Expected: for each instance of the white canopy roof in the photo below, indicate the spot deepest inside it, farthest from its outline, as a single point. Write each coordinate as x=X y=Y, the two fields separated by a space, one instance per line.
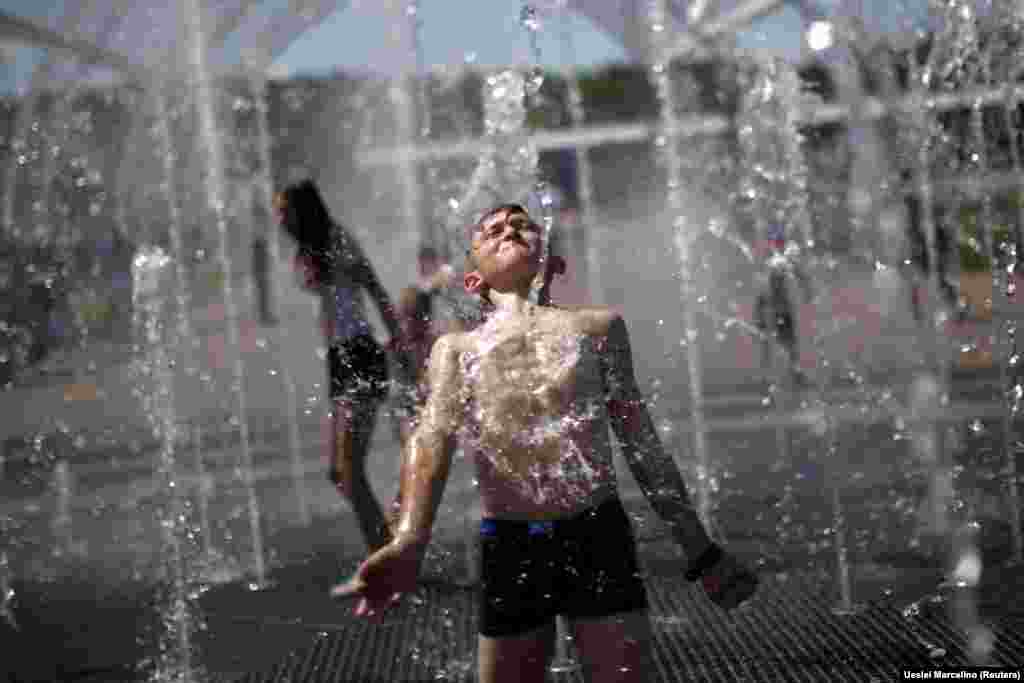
x=132 y=36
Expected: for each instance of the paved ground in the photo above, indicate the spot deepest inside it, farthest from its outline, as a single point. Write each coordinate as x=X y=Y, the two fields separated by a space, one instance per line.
x=84 y=626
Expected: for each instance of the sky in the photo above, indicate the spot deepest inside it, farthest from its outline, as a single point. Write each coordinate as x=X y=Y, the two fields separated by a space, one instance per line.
x=486 y=32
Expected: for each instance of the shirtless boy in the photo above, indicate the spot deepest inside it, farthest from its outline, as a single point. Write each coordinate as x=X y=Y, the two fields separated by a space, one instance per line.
x=531 y=392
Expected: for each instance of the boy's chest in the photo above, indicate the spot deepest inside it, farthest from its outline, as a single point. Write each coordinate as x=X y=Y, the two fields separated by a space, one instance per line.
x=531 y=360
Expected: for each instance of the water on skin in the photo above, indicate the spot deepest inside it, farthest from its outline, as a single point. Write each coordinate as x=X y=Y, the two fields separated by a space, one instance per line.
x=533 y=437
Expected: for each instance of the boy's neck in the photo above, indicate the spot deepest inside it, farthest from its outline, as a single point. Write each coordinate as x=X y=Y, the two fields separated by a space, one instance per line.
x=511 y=302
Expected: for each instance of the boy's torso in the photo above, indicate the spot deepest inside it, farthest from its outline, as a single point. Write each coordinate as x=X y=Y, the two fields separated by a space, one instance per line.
x=537 y=419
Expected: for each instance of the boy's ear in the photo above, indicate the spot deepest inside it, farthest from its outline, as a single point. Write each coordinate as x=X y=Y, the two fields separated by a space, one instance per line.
x=474 y=283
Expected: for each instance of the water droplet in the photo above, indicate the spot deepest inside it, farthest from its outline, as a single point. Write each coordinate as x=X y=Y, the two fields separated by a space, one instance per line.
x=820 y=35
x=534 y=80
x=968 y=570
x=529 y=19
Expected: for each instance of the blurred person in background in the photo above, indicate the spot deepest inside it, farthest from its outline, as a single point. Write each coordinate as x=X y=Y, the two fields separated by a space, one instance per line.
x=421 y=323
x=775 y=308
x=331 y=264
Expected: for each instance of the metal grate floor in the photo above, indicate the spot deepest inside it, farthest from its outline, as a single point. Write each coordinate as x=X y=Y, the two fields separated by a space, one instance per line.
x=788 y=633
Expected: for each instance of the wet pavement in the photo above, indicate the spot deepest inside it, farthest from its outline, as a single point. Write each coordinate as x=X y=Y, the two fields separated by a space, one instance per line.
x=82 y=626
x=788 y=633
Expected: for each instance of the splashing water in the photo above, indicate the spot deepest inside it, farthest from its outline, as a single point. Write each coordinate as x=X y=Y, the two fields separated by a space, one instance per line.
x=7 y=594
x=529 y=18
x=155 y=389
x=216 y=197
x=505 y=110
x=184 y=327
x=587 y=220
x=542 y=191
x=685 y=234
x=511 y=164
x=265 y=183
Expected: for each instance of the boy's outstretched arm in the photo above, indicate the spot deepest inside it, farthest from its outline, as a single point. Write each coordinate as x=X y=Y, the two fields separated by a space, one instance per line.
x=654 y=470
x=393 y=569
x=429 y=455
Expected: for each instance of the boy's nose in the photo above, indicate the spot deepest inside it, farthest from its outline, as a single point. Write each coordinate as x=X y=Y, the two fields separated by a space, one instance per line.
x=511 y=230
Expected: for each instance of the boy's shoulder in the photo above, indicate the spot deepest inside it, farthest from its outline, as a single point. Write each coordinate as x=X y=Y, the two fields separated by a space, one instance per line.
x=591 y=320
x=453 y=343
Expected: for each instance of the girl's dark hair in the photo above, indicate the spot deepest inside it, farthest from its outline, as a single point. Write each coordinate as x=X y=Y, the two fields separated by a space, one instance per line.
x=308 y=221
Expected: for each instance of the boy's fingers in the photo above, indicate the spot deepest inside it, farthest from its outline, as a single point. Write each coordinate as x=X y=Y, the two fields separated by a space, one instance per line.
x=371 y=609
x=354 y=586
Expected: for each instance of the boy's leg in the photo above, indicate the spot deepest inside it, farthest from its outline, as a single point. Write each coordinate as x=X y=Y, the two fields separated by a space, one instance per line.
x=615 y=648
x=516 y=603
x=516 y=659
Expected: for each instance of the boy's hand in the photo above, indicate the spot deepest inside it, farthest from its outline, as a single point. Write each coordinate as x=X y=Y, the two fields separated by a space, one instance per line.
x=383 y=577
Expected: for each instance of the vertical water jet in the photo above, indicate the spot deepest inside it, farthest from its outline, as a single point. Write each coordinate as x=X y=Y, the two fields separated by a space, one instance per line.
x=667 y=141
x=204 y=97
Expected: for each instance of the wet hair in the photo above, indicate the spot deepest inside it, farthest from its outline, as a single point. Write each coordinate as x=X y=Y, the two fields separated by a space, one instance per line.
x=308 y=221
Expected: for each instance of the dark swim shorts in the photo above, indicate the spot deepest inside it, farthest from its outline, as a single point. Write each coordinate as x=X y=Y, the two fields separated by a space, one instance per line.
x=358 y=369
x=582 y=567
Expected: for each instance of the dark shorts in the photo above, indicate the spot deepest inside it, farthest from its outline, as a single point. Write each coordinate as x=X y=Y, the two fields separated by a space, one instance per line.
x=358 y=369
x=583 y=567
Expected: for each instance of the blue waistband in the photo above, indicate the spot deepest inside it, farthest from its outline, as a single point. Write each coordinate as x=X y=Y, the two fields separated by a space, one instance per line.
x=489 y=527
x=492 y=527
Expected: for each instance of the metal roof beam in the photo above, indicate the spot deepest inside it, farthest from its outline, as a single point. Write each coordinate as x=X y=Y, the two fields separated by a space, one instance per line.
x=18 y=28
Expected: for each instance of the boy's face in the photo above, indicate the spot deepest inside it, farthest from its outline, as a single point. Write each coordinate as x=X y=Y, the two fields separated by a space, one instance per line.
x=506 y=250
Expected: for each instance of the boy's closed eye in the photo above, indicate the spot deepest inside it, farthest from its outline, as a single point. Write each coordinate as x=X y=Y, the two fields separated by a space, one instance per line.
x=497 y=228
